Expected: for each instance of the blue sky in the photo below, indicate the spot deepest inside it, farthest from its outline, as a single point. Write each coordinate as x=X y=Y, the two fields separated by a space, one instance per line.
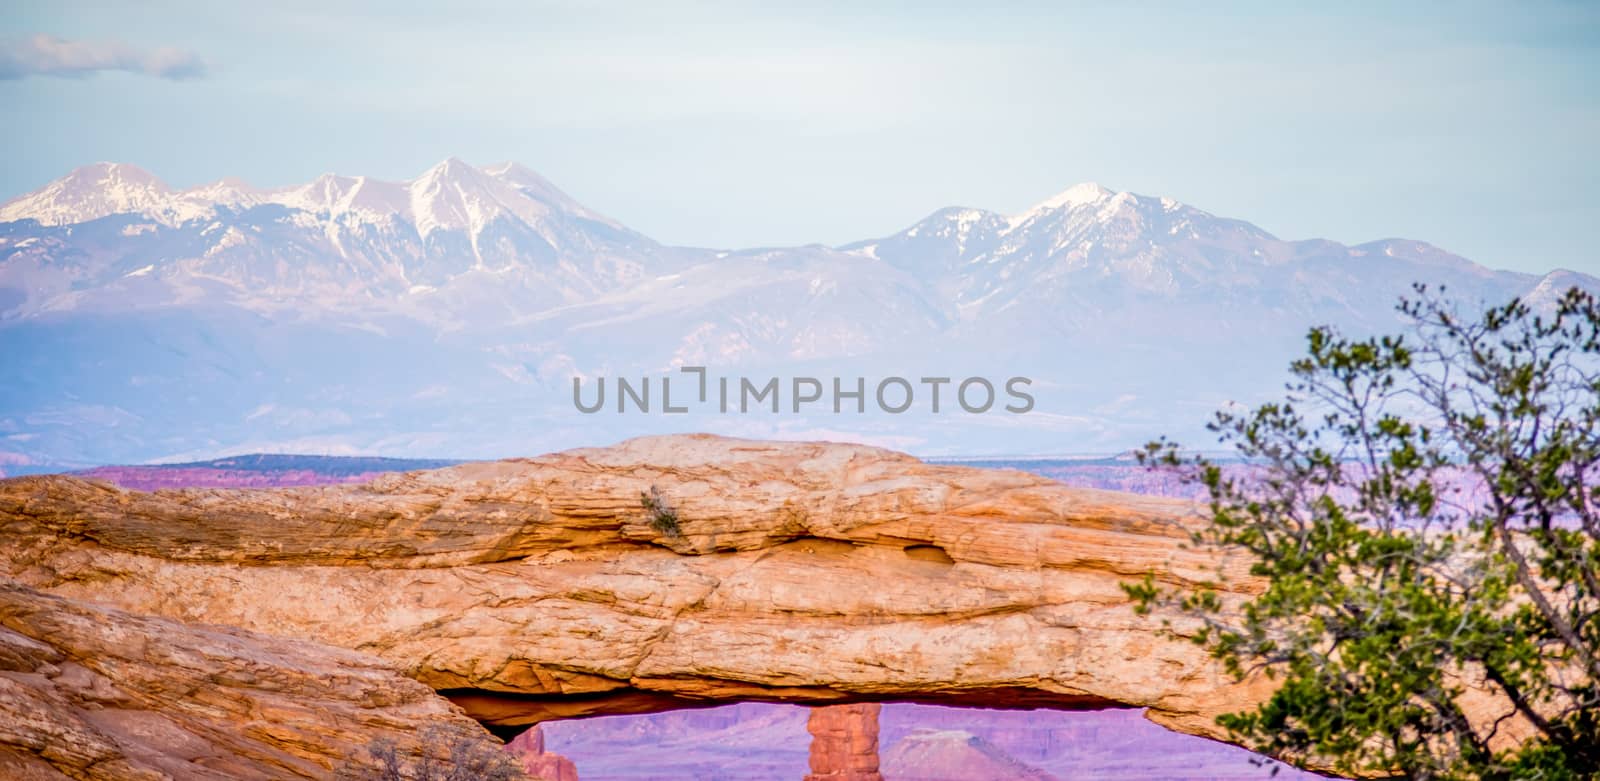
x=1470 y=125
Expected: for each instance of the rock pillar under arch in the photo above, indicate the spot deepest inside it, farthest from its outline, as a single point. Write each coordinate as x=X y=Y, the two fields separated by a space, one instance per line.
x=844 y=743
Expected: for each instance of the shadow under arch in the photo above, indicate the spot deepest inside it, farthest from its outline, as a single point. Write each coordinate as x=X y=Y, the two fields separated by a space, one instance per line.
x=897 y=740
x=508 y=714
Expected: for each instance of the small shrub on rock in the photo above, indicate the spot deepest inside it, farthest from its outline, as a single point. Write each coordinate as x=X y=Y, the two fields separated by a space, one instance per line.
x=663 y=518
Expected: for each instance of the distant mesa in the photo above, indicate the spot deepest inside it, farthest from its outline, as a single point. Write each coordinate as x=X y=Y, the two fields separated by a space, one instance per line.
x=258 y=470
x=954 y=755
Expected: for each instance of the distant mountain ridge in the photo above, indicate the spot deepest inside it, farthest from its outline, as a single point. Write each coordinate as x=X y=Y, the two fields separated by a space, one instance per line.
x=259 y=470
x=451 y=194
x=457 y=243
x=451 y=312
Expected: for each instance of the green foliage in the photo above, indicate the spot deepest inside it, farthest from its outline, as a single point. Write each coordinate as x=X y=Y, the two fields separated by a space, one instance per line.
x=1425 y=513
x=663 y=518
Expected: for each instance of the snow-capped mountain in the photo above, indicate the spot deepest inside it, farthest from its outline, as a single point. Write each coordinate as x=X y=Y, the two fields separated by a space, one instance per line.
x=455 y=244
x=92 y=192
x=1089 y=251
x=449 y=314
x=450 y=195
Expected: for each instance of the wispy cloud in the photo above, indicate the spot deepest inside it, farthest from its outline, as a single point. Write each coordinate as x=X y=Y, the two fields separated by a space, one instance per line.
x=47 y=55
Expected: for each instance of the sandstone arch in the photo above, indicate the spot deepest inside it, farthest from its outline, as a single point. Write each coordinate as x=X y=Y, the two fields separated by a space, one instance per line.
x=534 y=589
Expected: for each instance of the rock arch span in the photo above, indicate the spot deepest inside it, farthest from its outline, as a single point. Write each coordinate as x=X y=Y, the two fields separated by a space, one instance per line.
x=533 y=589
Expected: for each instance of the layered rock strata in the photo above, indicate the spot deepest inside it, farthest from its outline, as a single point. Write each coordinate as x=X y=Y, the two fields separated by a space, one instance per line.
x=844 y=743
x=91 y=692
x=668 y=572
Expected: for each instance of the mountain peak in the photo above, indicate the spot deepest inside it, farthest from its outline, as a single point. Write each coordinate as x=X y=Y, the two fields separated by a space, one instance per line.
x=104 y=172
x=451 y=169
x=455 y=195
x=89 y=193
x=1082 y=194
x=451 y=194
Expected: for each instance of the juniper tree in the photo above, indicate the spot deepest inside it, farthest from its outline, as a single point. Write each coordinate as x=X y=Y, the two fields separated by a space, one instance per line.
x=1424 y=512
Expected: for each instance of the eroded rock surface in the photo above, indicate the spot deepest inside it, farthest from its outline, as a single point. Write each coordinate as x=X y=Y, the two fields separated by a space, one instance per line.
x=535 y=589
x=844 y=743
x=92 y=692
x=529 y=749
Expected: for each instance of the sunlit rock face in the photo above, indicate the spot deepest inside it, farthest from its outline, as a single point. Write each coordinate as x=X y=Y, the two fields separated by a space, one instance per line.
x=844 y=743
x=536 y=589
x=529 y=748
x=95 y=693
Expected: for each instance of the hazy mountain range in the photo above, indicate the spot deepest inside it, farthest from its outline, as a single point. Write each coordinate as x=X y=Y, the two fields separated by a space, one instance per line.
x=448 y=314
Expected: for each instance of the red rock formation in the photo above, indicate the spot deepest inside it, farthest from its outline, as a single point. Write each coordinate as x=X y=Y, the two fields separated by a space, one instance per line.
x=93 y=693
x=764 y=741
x=539 y=763
x=844 y=743
x=811 y=573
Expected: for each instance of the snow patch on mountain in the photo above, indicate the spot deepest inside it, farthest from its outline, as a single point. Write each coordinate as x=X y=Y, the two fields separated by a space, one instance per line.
x=474 y=295
x=88 y=193
x=1074 y=197
x=451 y=195
x=338 y=196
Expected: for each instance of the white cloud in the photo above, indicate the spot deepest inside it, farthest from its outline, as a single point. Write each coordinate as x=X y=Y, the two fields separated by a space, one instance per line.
x=47 y=55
